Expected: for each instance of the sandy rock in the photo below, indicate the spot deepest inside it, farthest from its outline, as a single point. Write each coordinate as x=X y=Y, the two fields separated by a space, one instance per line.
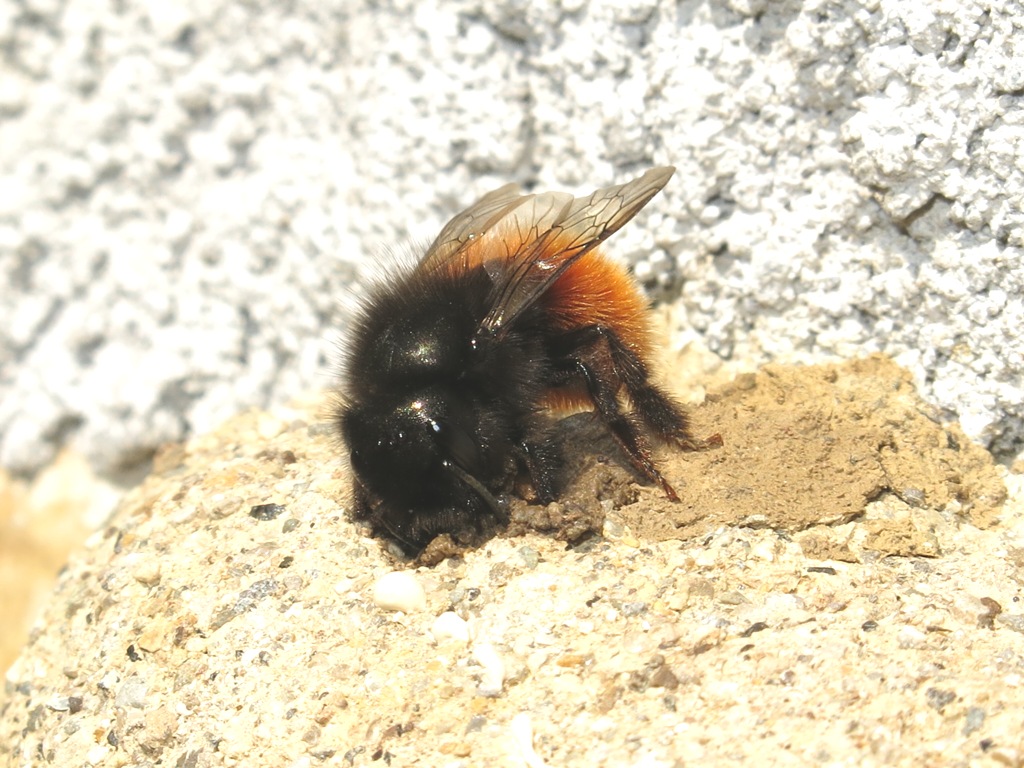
x=261 y=642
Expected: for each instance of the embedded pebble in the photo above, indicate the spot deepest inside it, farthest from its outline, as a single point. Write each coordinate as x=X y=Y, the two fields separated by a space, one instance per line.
x=96 y=755
x=450 y=627
x=529 y=556
x=147 y=573
x=59 y=704
x=911 y=637
x=269 y=427
x=764 y=550
x=108 y=681
x=493 y=677
x=132 y=694
x=399 y=591
x=522 y=736
x=633 y=608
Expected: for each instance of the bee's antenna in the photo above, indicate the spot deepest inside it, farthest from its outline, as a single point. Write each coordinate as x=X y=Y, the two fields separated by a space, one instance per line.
x=479 y=487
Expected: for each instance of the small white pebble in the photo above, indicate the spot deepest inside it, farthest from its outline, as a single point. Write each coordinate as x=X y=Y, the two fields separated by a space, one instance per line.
x=764 y=550
x=522 y=737
x=783 y=601
x=710 y=214
x=147 y=572
x=911 y=637
x=399 y=591
x=96 y=755
x=132 y=693
x=108 y=681
x=58 y=703
x=450 y=627
x=268 y=427
x=536 y=660
x=493 y=678
x=706 y=558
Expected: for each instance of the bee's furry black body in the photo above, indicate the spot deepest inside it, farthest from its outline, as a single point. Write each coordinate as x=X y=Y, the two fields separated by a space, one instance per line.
x=426 y=392
x=452 y=360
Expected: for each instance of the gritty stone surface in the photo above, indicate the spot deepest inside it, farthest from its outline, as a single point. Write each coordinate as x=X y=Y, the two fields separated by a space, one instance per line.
x=186 y=209
x=191 y=632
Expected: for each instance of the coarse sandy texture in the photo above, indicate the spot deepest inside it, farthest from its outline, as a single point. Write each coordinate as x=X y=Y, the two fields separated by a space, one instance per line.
x=188 y=191
x=226 y=615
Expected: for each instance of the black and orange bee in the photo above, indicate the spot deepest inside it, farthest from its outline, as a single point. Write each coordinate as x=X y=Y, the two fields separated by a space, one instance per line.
x=455 y=364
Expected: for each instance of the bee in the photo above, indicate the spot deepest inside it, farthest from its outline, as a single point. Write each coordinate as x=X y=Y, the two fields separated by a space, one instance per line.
x=455 y=364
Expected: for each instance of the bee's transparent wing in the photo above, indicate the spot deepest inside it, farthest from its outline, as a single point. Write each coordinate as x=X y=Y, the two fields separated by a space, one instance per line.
x=549 y=233
x=450 y=248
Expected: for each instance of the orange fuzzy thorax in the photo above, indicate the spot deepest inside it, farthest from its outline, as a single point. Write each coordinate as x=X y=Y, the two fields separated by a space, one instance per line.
x=597 y=291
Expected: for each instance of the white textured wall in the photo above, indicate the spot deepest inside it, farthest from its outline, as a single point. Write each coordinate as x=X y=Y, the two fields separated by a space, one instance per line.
x=188 y=191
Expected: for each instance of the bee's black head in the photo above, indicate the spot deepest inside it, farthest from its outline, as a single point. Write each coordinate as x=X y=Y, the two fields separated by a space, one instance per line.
x=411 y=449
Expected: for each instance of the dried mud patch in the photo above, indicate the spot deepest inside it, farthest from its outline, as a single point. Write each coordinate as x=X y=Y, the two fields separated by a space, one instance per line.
x=803 y=447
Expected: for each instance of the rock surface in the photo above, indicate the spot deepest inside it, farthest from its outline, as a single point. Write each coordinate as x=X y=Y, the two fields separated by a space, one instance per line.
x=229 y=613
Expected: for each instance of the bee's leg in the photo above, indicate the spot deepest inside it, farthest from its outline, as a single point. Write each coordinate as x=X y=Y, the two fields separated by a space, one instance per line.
x=666 y=418
x=590 y=353
x=542 y=460
x=656 y=409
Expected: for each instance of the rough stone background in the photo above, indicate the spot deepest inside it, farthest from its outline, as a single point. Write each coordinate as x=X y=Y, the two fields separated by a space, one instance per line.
x=189 y=191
